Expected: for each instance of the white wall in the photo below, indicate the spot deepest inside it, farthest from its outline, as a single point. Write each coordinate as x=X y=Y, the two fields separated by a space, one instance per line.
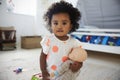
x=73 y=2
x=42 y=6
x=27 y=25
x=23 y=24
x=40 y=25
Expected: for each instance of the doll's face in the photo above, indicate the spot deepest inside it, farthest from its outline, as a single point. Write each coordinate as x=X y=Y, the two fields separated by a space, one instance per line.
x=78 y=54
x=60 y=24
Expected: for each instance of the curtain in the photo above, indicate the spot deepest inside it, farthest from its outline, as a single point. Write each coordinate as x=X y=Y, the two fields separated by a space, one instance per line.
x=100 y=13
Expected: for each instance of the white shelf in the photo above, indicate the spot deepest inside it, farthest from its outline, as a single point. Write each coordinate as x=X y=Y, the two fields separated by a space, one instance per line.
x=100 y=32
x=97 y=34
x=101 y=48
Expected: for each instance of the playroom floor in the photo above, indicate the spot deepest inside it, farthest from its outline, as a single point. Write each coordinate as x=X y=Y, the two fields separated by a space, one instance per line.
x=98 y=66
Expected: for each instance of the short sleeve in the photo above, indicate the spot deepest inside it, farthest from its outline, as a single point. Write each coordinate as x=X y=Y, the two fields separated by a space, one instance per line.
x=45 y=43
x=77 y=43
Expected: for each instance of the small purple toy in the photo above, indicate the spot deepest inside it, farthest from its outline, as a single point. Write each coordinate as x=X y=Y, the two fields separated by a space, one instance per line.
x=18 y=70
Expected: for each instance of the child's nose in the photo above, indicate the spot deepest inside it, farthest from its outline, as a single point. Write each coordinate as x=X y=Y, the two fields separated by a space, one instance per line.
x=60 y=26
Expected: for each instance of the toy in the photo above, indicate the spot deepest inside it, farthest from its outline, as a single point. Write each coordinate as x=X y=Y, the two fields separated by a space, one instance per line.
x=88 y=38
x=112 y=41
x=85 y=38
x=93 y=39
x=98 y=40
x=105 y=40
x=118 y=42
x=76 y=37
x=37 y=77
x=18 y=70
x=77 y=54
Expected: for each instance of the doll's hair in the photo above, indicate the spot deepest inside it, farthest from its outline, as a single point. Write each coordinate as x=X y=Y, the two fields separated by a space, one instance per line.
x=63 y=7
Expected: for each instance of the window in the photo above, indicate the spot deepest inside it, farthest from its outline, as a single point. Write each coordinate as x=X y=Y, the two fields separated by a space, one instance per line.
x=26 y=7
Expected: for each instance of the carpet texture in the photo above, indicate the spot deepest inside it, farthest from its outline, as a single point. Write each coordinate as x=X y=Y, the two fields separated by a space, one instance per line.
x=92 y=71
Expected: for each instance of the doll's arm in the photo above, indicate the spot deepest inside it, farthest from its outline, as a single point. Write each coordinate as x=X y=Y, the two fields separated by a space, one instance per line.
x=64 y=67
x=74 y=67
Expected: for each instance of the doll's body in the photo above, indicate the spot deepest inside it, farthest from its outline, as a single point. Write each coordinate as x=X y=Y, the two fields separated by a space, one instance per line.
x=76 y=55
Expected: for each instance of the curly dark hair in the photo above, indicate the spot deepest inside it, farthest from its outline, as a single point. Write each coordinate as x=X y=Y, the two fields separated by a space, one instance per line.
x=63 y=7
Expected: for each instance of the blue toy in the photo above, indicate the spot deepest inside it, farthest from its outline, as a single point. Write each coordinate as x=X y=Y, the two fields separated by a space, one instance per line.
x=118 y=42
x=98 y=40
x=93 y=38
x=112 y=41
x=76 y=37
x=105 y=40
x=18 y=70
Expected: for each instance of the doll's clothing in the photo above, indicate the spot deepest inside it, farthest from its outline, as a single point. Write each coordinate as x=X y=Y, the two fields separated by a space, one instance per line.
x=64 y=73
x=68 y=75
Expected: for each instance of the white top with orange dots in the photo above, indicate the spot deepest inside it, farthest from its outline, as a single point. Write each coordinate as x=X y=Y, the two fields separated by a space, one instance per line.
x=57 y=51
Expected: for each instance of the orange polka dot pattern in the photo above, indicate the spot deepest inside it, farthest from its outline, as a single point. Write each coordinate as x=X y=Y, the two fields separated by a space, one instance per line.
x=48 y=42
x=54 y=67
x=55 y=49
x=64 y=58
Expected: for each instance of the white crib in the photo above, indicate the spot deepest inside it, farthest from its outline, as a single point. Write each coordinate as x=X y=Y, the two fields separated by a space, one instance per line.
x=100 y=32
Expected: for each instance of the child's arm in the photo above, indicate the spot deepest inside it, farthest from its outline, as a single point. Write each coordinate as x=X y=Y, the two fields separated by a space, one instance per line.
x=43 y=66
x=76 y=66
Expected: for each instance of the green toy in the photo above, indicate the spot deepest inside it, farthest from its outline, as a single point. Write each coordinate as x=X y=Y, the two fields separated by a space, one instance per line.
x=37 y=77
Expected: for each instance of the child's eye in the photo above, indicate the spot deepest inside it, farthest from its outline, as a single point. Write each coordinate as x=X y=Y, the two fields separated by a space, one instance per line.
x=64 y=23
x=55 y=23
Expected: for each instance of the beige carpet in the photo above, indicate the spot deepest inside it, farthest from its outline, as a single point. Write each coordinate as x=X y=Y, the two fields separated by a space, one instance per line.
x=91 y=71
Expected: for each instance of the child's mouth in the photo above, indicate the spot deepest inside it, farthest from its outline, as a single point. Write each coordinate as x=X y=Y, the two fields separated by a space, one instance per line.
x=60 y=31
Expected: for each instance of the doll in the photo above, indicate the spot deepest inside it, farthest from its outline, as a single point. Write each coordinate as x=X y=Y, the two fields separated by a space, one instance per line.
x=77 y=54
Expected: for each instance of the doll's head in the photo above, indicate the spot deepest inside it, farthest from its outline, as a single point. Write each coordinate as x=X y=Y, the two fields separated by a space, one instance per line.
x=78 y=54
x=63 y=7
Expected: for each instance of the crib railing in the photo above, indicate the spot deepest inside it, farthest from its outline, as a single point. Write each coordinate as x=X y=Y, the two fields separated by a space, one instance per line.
x=99 y=32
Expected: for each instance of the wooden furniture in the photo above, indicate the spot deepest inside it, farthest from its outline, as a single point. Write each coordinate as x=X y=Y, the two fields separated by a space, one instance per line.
x=7 y=38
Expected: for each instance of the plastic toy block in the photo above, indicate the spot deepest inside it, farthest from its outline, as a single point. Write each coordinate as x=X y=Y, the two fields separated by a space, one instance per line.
x=37 y=77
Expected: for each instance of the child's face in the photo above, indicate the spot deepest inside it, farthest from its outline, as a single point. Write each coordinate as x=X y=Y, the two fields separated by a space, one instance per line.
x=61 y=24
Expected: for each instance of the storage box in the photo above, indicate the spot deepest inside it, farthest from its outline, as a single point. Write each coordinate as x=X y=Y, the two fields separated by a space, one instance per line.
x=8 y=46
x=30 y=42
x=7 y=28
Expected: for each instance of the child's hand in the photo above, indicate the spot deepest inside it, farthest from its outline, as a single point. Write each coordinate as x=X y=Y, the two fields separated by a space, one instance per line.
x=76 y=66
x=45 y=75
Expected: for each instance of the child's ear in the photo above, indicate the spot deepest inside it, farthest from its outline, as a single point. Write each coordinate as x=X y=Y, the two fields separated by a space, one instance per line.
x=50 y=29
x=70 y=27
